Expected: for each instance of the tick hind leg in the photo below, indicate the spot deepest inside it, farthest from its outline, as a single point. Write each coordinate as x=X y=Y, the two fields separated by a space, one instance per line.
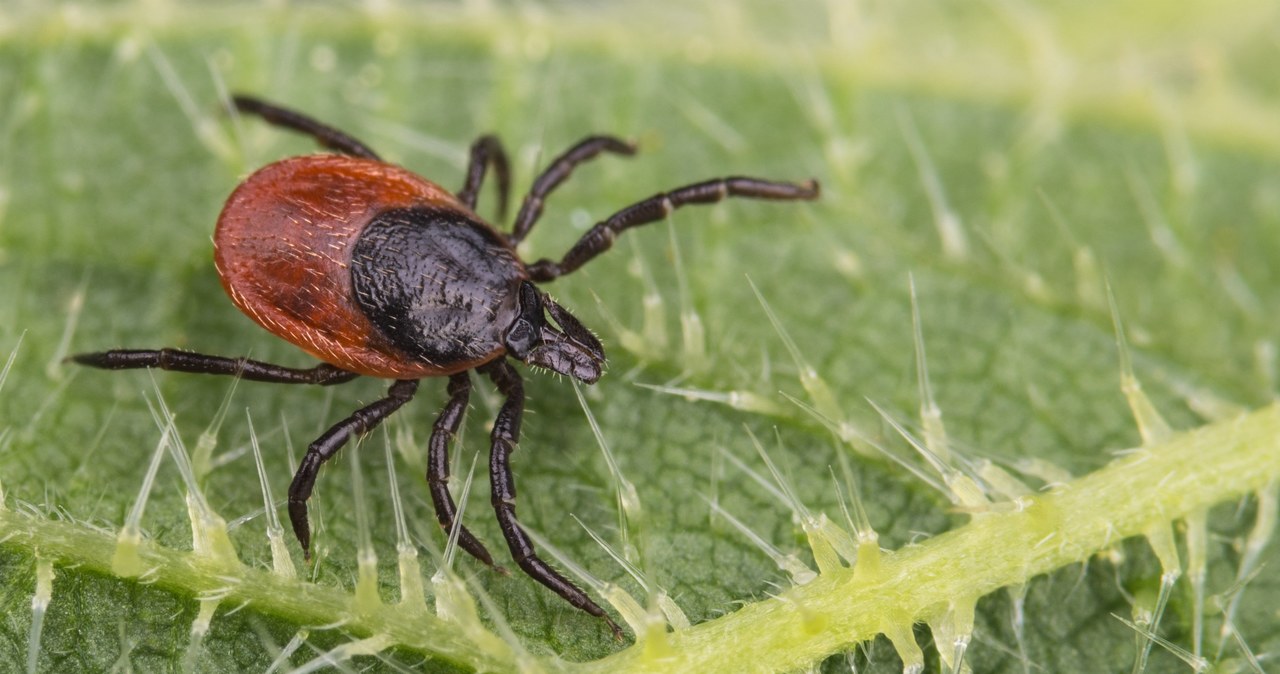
x=506 y=433
x=556 y=173
x=360 y=422
x=600 y=238
x=442 y=432
x=325 y=135
x=176 y=360
x=485 y=152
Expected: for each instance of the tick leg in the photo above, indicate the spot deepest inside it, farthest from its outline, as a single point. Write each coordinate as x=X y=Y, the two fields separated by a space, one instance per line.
x=558 y=172
x=325 y=135
x=506 y=433
x=445 y=428
x=323 y=449
x=600 y=238
x=486 y=151
x=185 y=361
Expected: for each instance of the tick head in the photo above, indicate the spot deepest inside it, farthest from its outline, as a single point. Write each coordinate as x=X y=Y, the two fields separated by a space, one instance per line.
x=570 y=350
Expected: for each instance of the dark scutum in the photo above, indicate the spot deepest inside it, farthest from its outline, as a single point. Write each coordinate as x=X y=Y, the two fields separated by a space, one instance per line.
x=440 y=286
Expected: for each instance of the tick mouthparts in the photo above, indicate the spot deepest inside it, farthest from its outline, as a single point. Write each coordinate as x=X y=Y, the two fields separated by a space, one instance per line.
x=565 y=359
x=560 y=352
x=573 y=329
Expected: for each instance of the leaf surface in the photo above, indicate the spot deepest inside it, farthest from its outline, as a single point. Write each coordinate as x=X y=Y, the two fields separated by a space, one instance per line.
x=1024 y=177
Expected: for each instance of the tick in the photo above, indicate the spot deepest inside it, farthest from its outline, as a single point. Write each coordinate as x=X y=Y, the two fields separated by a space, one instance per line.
x=378 y=272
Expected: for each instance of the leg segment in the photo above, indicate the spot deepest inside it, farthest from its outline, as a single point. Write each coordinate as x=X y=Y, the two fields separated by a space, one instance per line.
x=176 y=360
x=600 y=238
x=506 y=433
x=323 y=449
x=324 y=134
x=486 y=151
x=558 y=172
x=445 y=428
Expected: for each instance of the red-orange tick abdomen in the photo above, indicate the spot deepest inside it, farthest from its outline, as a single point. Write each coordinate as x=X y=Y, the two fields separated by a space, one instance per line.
x=285 y=245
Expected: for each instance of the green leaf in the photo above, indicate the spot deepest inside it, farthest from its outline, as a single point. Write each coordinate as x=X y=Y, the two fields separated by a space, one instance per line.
x=1008 y=384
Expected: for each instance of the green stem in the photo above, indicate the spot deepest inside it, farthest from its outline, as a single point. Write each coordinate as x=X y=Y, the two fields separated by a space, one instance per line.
x=300 y=602
x=1148 y=488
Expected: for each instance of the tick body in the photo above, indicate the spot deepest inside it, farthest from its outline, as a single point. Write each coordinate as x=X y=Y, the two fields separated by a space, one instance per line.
x=367 y=267
x=377 y=272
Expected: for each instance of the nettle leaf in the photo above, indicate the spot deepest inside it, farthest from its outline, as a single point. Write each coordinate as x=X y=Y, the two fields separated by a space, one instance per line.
x=1003 y=395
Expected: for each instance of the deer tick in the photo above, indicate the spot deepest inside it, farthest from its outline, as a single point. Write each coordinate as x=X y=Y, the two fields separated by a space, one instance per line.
x=378 y=272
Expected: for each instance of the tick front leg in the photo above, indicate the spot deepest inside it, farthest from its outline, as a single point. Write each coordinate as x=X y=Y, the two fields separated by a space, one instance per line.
x=176 y=360
x=323 y=449
x=506 y=433
x=600 y=238
x=486 y=151
x=559 y=170
x=442 y=432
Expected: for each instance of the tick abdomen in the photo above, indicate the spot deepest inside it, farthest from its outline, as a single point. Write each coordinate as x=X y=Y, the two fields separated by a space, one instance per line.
x=439 y=285
x=283 y=247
